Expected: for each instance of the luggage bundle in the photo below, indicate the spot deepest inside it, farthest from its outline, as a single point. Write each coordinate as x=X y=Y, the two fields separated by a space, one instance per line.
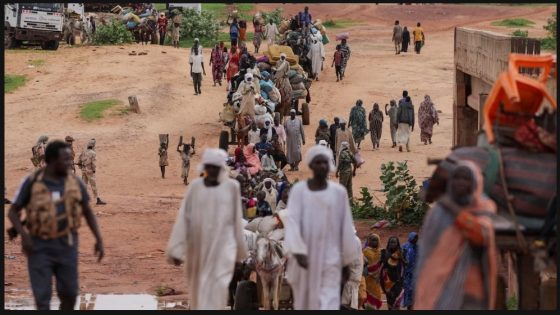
x=273 y=54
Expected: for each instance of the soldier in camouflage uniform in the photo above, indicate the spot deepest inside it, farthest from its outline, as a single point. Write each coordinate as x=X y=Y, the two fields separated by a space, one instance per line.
x=69 y=140
x=88 y=167
x=346 y=168
x=38 y=151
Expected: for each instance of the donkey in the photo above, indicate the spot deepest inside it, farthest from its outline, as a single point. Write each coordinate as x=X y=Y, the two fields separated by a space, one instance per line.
x=270 y=263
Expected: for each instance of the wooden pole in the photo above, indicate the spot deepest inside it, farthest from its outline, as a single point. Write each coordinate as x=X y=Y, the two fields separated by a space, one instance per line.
x=133 y=102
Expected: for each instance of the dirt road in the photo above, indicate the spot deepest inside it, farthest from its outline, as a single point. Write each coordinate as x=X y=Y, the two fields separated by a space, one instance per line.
x=141 y=206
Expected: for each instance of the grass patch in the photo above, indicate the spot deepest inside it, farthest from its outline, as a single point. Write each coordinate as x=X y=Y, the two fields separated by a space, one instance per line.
x=221 y=10
x=160 y=6
x=514 y=23
x=12 y=82
x=36 y=62
x=94 y=110
x=338 y=23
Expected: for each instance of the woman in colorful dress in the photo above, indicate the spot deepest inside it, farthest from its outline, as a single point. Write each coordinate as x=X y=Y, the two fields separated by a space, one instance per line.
x=372 y=256
x=216 y=61
x=427 y=117
x=392 y=273
x=233 y=63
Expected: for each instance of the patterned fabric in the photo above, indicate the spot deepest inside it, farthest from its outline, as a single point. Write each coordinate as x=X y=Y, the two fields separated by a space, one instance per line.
x=392 y=276
x=217 y=64
x=409 y=253
x=373 y=275
x=375 y=126
x=427 y=117
x=358 y=123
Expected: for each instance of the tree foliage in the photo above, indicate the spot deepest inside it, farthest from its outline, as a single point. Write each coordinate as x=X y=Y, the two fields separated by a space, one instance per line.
x=549 y=42
x=403 y=200
x=201 y=25
x=403 y=204
x=275 y=15
x=114 y=33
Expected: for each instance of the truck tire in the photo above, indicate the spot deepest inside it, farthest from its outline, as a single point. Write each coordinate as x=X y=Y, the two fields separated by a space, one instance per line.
x=224 y=140
x=10 y=41
x=50 y=45
x=305 y=113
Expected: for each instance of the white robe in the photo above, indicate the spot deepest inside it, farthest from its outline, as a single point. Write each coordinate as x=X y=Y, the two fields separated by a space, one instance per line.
x=248 y=100
x=271 y=195
x=316 y=54
x=319 y=226
x=208 y=236
x=352 y=286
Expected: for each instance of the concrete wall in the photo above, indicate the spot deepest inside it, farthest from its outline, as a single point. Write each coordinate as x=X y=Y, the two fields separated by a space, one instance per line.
x=481 y=54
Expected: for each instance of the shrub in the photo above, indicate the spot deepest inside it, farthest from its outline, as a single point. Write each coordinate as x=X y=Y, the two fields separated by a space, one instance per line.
x=520 y=33
x=403 y=200
x=275 y=15
x=363 y=207
x=114 y=33
x=203 y=26
x=549 y=42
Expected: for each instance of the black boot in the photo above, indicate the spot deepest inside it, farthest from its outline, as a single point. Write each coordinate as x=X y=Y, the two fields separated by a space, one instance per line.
x=100 y=202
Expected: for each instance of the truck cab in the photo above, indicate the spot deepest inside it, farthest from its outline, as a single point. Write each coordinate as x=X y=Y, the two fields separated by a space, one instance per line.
x=34 y=23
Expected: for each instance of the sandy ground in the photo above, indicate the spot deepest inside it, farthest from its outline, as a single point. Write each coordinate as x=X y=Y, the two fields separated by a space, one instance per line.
x=141 y=206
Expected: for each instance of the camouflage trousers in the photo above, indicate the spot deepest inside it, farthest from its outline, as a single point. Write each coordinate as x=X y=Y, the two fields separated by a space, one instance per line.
x=89 y=178
x=345 y=179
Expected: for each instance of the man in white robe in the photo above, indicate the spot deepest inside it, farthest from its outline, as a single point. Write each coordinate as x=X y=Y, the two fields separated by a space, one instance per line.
x=270 y=32
x=317 y=56
x=248 y=90
x=271 y=193
x=208 y=234
x=319 y=236
x=352 y=285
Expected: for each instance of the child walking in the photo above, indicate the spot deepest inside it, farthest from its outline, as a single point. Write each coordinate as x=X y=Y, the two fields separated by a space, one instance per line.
x=337 y=63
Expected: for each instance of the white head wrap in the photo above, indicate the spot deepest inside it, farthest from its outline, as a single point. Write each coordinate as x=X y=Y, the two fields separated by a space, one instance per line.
x=215 y=157
x=319 y=150
x=342 y=121
x=292 y=110
x=323 y=143
x=248 y=75
x=272 y=182
x=283 y=55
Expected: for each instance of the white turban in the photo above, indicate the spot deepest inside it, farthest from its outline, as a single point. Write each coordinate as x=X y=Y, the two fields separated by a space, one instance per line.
x=319 y=150
x=272 y=182
x=342 y=121
x=248 y=75
x=215 y=157
x=292 y=110
x=323 y=143
x=283 y=55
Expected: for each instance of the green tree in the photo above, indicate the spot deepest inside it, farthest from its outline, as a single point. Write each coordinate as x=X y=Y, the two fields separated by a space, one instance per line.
x=114 y=33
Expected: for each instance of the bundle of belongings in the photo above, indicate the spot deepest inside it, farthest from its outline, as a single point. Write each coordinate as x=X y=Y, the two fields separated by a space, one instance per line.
x=517 y=152
x=132 y=18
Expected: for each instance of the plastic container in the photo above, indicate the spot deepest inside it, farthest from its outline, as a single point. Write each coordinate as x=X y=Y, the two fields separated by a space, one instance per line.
x=519 y=94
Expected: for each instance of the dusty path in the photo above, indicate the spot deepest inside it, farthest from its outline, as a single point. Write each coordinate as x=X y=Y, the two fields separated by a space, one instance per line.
x=142 y=206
